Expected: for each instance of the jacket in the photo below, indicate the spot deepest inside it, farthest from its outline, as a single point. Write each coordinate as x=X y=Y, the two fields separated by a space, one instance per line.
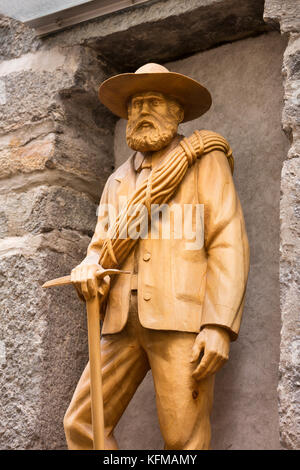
x=179 y=288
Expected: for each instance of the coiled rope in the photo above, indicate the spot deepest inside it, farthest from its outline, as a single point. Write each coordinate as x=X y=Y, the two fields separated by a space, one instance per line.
x=158 y=188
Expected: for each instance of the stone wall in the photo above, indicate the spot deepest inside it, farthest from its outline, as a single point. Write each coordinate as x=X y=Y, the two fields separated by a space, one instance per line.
x=287 y=15
x=55 y=155
x=56 y=144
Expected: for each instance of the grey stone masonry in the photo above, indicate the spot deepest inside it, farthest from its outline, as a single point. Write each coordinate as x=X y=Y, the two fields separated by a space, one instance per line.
x=164 y=30
x=56 y=144
x=15 y=39
x=287 y=14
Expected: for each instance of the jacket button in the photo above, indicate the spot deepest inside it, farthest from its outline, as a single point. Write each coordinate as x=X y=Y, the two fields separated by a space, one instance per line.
x=147 y=296
x=146 y=256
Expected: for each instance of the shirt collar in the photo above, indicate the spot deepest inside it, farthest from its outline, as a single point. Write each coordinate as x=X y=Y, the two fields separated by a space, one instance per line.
x=141 y=161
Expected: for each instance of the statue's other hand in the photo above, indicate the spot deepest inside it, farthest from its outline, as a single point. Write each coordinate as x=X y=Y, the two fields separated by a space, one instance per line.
x=84 y=278
x=214 y=342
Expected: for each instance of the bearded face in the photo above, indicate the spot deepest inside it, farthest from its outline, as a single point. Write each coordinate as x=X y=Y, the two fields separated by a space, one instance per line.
x=153 y=121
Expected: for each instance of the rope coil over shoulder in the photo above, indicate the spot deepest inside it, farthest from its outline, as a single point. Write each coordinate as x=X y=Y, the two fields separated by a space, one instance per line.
x=158 y=189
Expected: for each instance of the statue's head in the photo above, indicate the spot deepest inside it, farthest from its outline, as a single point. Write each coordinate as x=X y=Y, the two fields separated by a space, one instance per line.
x=154 y=101
x=153 y=119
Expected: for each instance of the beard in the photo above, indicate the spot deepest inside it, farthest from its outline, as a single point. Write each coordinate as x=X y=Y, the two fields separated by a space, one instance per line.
x=151 y=133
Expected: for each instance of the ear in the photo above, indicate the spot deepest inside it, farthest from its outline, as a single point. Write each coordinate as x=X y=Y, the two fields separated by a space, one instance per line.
x=178 y=110
x=180 y=114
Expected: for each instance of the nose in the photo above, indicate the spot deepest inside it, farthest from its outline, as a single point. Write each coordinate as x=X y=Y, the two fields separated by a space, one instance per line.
x=145 y=107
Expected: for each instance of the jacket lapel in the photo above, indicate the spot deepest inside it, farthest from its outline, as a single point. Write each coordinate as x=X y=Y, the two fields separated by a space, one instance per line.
x=125 y=178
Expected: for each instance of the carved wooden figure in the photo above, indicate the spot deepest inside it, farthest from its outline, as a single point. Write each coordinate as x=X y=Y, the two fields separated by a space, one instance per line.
x=176 y=303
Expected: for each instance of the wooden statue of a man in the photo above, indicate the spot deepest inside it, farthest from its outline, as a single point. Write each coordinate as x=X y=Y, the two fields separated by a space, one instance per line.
x=180 y=307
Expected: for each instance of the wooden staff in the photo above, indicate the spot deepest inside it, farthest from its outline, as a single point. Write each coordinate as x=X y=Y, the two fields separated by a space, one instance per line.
x=93 y=321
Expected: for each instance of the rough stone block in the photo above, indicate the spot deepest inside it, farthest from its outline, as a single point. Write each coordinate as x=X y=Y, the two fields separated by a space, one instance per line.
x=128 y=39
x=45 y=208
x=291 y=115
x=52 y=119
x=32 y=83
x=284 y=12
x=15 y=38
x=289 y=379
x=33 y=156
x=43 y=338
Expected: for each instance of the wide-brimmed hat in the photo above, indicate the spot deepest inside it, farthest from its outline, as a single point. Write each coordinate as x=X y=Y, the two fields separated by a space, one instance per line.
x=115 y=92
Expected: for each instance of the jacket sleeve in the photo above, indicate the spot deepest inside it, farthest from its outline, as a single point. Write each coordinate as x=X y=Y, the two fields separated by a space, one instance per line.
x=226 y=244
x=95 y=246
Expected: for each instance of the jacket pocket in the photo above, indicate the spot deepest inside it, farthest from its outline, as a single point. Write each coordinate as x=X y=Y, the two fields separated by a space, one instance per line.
x=189 y=275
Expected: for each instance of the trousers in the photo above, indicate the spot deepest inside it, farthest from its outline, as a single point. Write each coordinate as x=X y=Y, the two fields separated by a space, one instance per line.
x=183 y=404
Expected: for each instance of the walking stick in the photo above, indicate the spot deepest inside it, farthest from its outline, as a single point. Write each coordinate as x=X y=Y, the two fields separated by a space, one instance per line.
x=93 y=322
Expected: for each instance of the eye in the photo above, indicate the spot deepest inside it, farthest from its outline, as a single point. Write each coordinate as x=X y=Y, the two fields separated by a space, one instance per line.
x=155 y=102
x=137 y=104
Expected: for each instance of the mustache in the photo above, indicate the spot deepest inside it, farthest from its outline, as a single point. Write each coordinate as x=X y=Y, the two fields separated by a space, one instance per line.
x=154 y=121
x=138 y=123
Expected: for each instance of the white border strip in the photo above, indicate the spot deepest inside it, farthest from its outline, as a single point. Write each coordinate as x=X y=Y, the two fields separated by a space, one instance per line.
x=77 y=14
